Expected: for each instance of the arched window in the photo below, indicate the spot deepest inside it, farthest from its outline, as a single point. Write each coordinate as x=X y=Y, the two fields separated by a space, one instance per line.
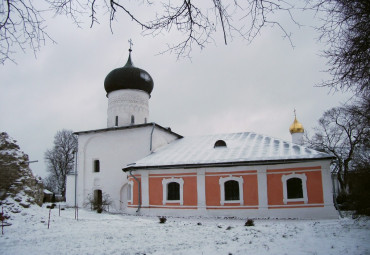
x=219 y=143
x=129 y=191
x=294 y=188
x=98 y=199
x=173 y=190
x=231 y=189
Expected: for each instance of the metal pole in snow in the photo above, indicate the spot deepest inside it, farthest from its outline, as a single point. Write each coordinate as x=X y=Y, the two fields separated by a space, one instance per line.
x=75 y=172
x=2 y=220
x=49 y=218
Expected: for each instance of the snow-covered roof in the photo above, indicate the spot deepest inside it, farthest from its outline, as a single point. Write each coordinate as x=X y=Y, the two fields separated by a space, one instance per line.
x=242 y=148
x=48 y=192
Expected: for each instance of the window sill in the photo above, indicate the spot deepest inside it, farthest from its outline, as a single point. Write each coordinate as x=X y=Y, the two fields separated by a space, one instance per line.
x=173 y=202
x=222 y=202
x=286 y=201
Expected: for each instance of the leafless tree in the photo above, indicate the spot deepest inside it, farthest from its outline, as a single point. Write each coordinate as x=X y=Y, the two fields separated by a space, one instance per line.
x=51 y=183
x=346 y=32
x=60 y=158
x=197 y=22
x=344 y=132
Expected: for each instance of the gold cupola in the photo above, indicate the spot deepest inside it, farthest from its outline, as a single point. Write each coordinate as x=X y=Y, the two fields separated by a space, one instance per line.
x=296 y=127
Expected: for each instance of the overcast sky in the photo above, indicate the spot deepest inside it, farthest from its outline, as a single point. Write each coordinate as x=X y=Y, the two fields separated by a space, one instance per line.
x=237 y=87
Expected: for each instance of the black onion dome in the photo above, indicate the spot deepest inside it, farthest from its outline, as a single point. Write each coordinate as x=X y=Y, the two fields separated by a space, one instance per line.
x=128 y=77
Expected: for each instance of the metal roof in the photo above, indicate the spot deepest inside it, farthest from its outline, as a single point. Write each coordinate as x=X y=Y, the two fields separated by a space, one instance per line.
x=241 y=148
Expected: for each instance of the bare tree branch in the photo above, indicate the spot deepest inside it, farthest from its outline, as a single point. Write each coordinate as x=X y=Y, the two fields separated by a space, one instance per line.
x=346 y=31
x=21 y=24
x=196 y=22
x=344 y=132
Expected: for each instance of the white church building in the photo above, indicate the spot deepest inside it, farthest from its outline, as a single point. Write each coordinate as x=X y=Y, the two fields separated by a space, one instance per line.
x=148 y=169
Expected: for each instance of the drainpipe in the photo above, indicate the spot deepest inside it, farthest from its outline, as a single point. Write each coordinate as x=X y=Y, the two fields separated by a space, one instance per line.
x=139 y=186
x=75 y=179
x=151 y=138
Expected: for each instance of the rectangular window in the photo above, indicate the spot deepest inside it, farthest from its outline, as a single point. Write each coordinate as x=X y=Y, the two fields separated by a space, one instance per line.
x=116 y=121
x=96 y=166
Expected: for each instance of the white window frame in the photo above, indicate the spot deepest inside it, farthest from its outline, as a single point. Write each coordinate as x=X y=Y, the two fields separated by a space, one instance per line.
x=303 y=178
x=130 y=191
x=165 y=183
x=240 y=181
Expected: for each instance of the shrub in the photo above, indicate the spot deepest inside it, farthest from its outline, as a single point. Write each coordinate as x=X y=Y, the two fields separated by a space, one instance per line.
x=162 y=219
x=249 y=223
x=97 y=205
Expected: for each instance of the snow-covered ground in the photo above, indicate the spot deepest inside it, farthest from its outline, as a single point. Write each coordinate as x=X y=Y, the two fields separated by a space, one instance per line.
x=122 y=234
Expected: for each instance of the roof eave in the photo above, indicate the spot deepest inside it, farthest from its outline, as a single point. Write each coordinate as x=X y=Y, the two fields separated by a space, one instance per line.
x=128 y=127
x=226 y=164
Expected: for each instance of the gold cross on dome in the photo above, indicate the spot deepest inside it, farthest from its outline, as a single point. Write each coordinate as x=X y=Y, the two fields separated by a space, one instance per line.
x=131 y=43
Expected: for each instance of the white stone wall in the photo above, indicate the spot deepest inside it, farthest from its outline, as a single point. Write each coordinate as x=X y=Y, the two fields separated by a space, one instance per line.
x=160 y=138
x=114 y=149
x=126 y=103
x=70 y=190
